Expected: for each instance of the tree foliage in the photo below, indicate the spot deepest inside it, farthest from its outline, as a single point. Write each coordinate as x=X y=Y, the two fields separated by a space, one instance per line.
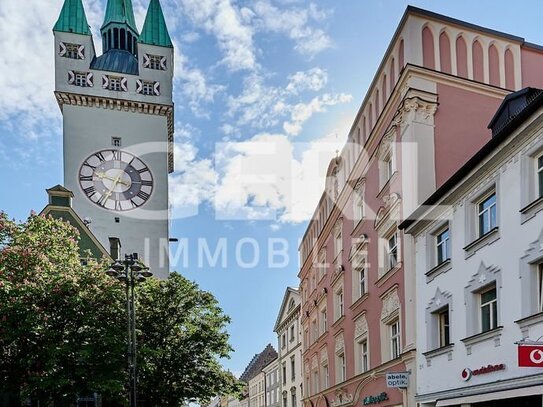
x=61 y=322
x=63 y=325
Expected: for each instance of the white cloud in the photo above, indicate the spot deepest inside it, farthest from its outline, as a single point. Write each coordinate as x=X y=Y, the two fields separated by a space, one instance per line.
x=224 y=21
x=303 y=111
x=266 y=178
x=314 y=79
x=295 y=23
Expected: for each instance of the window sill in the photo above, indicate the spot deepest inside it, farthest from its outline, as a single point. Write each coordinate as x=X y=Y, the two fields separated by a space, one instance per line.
x=338 y=321
x=530 y=320
x=530 y=210
x=488 y=238
x=383 y=279
x=441 y=268
x=359 y=300
x=439 y=351
x=483 y=337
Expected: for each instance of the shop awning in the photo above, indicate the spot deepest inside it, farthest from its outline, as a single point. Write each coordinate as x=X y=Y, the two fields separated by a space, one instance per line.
x=498 y=395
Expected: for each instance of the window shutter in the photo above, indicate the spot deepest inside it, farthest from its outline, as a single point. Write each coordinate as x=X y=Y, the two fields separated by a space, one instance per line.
x=89 y=79
x=62 y=49
x=105 y=81
x=81 y=52
x=146 y=61
x=163 y=63
x=139 y=85
x=156 y=88
x=124 y=84
x=71 y=77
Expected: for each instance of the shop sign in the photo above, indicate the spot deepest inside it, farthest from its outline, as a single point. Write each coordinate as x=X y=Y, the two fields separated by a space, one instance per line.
x=375 y=399
x=398 y=379
x=530 y=355
x=467 y=373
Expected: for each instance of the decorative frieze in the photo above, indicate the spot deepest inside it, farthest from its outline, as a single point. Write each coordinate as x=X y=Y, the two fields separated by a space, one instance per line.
x=391 y=304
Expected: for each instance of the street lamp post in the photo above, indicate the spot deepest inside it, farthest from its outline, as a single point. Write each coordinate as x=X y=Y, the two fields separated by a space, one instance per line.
x=130 y=271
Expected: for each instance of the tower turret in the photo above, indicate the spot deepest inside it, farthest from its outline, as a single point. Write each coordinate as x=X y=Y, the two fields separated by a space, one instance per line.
x=72 y=18
x=119 y=29
x=154 y=30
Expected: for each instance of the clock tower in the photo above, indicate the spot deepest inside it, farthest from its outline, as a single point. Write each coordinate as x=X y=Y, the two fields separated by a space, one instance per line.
x=118 y=125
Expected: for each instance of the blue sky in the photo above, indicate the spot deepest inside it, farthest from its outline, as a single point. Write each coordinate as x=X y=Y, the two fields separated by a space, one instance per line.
x=251 y=77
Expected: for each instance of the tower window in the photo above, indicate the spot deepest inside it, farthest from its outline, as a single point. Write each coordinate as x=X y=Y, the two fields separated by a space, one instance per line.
x=115 y=83
x=73 y=51
x=116 y=141
x=147 y=88
x=156 y=62
x=80 y=79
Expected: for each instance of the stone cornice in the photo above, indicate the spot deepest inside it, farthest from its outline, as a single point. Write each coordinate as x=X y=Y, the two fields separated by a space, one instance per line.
x=65 y=98
x=294 y=314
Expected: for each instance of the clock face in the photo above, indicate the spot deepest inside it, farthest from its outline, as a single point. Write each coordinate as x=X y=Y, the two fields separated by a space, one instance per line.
x=116 y=180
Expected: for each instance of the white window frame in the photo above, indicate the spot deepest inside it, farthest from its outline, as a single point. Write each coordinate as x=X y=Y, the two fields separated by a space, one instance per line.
x=362 y=279
x=147 y=88
x=395 y=338
x=540 y=287
x=325 y=375
x=539 y=175
x=443 y=327
x=443 y=246
x=338 y=241
x=359 y=207
x=293 y=368
x=323 y=320
x=292 y=334
x=341 y=366
x=392 y=249
x=80 y=79
x=487 y=213
x=339 y=302
x=493 y=308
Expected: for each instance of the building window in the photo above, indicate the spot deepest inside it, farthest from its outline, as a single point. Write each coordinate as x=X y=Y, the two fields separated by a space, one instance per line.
x=115 y=83
x=540 y=175
x=283 y=341
x=341 y=367
x=338 y=244
x=73 y=51
x=540 y=287
x=358 y=204
x=322 y=263
x=339 y=303
x=116 y=141
x=284 y=367
x=489 y=309
x=147 y=88
x=156 y=62
x=325 y=376
x=395 y=346
x=361 y=277
x=443 y=327
x=323 y=320
x=293 y=398
x=363 y=356
x=315 y=332
x=486 y=210
x=292 y=368
x=388 y=167
x=292 y=333
x=81 y=79
x=315 y=382
x=285 y=399
x=443 y=243
x=392 y=251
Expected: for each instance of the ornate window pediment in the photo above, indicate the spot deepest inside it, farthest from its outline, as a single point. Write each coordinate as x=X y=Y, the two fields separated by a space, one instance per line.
x=391 y=306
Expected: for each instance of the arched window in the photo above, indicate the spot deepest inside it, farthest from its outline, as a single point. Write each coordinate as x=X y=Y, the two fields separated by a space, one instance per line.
x=385 y=94
x=377 y=105
x=401 y=56
x=478 y=68
x=428 y=57
x=392 y=74
x=445 y=53
x=123 y=39
x=494 y=65
x=116 y=38
x=509 y=70
x=461 y=57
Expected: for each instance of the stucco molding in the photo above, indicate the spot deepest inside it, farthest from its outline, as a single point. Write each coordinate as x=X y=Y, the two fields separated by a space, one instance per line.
x=342 y=398
x=416 y=106
x=339 y=343
x=361 y=326
x=391 y=305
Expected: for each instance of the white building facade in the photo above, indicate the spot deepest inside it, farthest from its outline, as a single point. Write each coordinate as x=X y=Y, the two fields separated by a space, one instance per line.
x=272 y=384
x=479 y=270
x=289 y=338
x=256 y=390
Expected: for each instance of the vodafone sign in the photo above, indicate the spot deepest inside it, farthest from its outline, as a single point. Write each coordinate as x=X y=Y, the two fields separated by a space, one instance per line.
x=530 y=355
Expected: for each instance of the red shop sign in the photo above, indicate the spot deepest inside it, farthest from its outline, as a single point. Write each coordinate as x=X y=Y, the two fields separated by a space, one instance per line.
x=530 y=355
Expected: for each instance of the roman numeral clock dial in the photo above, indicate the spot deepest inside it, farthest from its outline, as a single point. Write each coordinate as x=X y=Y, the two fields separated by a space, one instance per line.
x=116 y=180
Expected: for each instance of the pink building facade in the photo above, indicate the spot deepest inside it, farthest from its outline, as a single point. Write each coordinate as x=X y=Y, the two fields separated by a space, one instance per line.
x=425 y=114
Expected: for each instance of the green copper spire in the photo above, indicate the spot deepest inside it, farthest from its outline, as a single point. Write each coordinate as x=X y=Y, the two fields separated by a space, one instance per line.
x=72 y=18
x=121 y=12
x=154 y=30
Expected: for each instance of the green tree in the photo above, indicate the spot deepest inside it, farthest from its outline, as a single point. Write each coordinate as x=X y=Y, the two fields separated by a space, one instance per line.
x=62 y=325
x=182 y=338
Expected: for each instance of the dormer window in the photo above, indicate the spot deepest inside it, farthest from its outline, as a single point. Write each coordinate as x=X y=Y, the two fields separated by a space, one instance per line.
x=73 y=51
x=156 y=62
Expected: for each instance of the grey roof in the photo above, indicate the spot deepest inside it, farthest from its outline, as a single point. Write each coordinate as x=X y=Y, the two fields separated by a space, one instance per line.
x=258 y=362
x=116 y=60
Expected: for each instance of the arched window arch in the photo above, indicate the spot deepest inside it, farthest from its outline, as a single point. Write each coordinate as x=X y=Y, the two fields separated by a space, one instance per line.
x=428 y=56
x=392 y=74
x=461 y=57
x=377 y=105
x=370 y=118
x=445 y=53
x=478 y=67
x=385 y=94
x=494 y=65
x=509 y=70
x=401 y=56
